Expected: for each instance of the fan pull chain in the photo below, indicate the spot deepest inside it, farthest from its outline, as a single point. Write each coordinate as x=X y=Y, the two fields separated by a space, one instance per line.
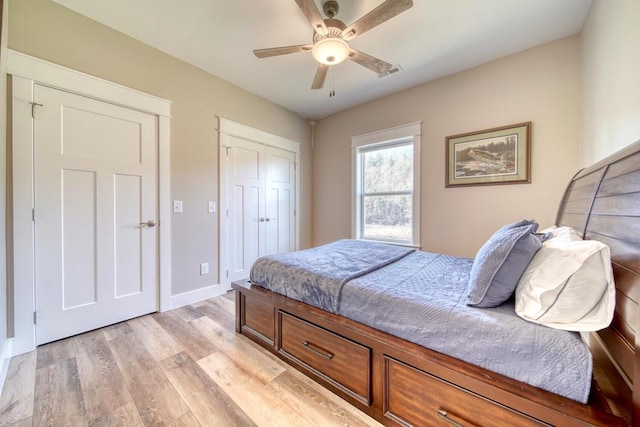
x=332 y=83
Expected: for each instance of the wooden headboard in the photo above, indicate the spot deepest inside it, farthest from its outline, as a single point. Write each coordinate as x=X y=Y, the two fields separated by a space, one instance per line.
x=602 y=202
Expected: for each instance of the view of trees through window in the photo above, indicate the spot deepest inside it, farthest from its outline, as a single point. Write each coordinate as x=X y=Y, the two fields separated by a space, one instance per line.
x=387 y=186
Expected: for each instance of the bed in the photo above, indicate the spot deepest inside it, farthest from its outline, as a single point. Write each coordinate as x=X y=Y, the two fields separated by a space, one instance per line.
x=400 y=382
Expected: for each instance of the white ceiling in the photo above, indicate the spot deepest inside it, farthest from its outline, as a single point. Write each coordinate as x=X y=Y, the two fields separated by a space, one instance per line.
x=433 y=39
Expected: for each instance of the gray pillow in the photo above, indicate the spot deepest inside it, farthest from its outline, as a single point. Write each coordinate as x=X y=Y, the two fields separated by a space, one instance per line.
x=500 y=262
x=518 y=224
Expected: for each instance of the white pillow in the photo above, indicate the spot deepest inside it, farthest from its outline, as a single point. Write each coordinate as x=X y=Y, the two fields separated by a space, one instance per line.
x=562 y=231
x=568 y=284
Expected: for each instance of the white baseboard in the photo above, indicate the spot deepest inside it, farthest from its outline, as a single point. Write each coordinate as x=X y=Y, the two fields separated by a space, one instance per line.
x=198 y=295
x=5 y=357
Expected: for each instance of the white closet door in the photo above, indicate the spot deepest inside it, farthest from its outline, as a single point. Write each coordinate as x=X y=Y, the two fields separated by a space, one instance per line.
x=258 y=198
x=95 y=210
x=245 y=189
x=280 y=200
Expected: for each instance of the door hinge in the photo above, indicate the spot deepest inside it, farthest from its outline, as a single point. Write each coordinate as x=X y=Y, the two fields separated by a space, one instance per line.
x=227 y=274
x=35 y=317
x=33 y=214
x=227 y=212
x=33 y=109
x=227 y=149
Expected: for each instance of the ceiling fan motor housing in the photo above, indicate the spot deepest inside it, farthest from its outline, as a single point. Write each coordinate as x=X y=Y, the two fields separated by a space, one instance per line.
x=334 y=30
x=330 y=8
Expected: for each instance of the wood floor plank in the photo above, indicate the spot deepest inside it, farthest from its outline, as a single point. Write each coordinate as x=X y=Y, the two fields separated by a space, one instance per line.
x=302 y=378
x=244 y=352
x=157 y=341
x=55 y=352
x=25 y=422
x=252 y=395
x=218 y=314
x=193 y=342
x=226 y=304
x=231 y=296
x=124 y=416
x=114 y=331
x=16 y=402
x=103 y=387
x=306 y=395
x=154 y=396
x=207 y=401
x=58 y=397
x=187 y=420
x=187 y=313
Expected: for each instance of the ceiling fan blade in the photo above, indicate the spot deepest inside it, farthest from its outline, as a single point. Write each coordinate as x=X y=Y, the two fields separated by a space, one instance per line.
x=377 y=16
x=321 y=75
x=376 y=65
x=313 y=15
x=284 y=50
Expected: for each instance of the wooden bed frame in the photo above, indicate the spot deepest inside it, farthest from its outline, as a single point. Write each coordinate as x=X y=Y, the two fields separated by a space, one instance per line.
x=401 y=383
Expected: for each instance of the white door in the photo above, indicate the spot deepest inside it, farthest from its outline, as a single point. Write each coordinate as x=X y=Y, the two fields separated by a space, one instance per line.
x=246 y=205
x=261 y=191
x=280 y=203
x=95 y=203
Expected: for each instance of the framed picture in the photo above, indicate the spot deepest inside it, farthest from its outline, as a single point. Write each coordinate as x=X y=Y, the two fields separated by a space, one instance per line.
x=487 y=157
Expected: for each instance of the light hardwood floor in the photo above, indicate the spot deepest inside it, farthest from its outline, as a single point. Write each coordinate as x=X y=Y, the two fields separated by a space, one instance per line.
x=185 y=367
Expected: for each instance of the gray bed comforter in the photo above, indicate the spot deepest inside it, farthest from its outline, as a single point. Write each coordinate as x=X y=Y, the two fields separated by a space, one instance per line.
x=421 y=297
x=316 y=276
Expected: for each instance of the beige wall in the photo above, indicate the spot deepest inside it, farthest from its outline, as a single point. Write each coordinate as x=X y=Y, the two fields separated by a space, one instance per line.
x=541 y=85
x=610 y=70
x=49 y=31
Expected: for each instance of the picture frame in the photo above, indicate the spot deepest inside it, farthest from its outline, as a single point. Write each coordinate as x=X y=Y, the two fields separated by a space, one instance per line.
x=495 y=156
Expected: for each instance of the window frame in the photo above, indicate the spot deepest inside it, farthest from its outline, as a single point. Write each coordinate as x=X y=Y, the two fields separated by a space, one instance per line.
x=386 y=138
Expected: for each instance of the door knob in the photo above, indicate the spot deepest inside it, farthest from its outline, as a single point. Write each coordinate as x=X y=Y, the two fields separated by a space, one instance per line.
x=151 y=223
x=262 y=219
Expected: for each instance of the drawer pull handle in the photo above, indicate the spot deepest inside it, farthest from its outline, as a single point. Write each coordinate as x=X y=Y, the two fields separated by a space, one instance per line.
x=448 y=418
x=318 y=350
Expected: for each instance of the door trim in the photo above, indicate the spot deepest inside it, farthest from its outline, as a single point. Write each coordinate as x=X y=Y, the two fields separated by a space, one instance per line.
x=26 y=71
x=225 y=128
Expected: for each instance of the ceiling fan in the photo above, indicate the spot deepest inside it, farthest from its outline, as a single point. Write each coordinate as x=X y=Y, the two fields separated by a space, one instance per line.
x=331 y=37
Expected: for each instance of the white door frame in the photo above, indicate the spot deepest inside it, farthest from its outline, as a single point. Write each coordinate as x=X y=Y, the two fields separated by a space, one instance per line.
x=26 y=71
x=225 y=128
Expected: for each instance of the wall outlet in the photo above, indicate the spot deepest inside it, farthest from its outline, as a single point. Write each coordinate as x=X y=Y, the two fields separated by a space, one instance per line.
x=211 y=207
x=204 y=268
x=177 y=206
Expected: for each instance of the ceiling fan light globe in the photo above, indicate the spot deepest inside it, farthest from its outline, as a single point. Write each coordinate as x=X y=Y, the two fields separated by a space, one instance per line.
x=330 y=51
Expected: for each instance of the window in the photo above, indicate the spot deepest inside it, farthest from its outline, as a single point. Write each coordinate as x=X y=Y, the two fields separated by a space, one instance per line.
x=386 y=185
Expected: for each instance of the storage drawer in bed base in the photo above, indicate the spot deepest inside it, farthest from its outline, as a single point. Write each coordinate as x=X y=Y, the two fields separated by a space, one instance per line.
x=416 y=398
x=338 y=360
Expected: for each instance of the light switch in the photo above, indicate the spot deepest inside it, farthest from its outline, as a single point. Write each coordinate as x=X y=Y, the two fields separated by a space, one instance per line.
x=177 y=206
x=211 y=207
